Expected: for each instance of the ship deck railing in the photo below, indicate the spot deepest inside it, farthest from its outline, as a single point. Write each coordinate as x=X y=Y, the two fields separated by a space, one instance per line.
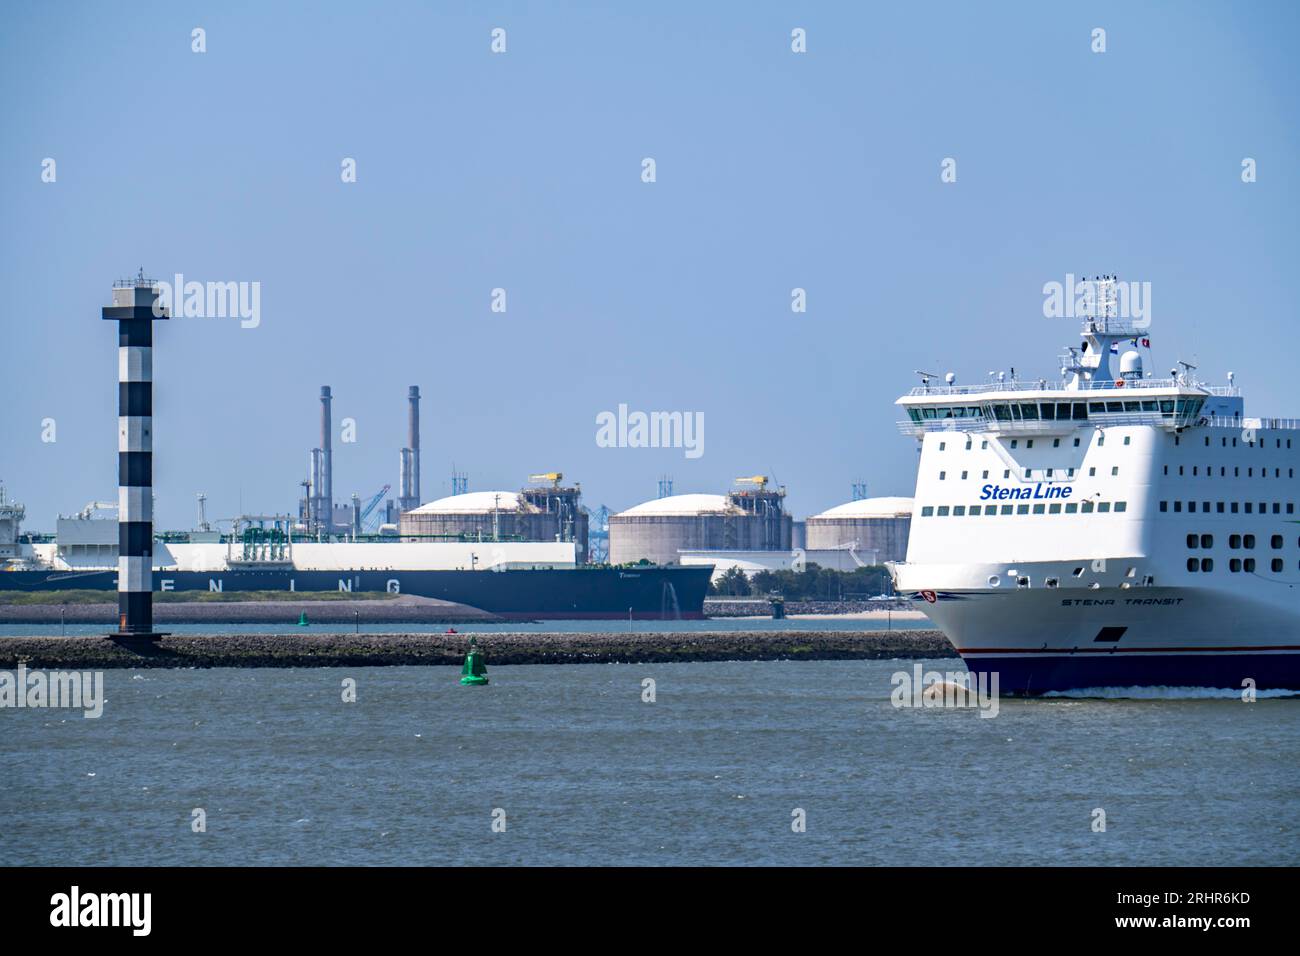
x=1042 y=385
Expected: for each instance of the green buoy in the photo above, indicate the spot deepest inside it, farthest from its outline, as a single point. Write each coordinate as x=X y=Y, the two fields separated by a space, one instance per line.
x=474 y=671
x=302 y=619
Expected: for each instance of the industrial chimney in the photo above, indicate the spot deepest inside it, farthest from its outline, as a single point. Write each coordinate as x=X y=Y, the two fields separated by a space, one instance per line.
x=408 y=475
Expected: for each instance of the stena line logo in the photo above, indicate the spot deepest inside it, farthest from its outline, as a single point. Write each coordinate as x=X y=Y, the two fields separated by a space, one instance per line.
x=1037 y=492
x=133 y=910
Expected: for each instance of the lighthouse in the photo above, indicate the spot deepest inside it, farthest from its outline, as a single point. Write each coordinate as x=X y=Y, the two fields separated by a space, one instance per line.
x=135 y=308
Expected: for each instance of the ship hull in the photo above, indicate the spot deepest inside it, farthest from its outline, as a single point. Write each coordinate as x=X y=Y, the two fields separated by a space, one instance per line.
x=592 y=593
x=1039 y=641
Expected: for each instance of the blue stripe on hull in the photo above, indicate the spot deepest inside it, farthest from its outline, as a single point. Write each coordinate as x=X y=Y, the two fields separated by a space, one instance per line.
x=1038 y=674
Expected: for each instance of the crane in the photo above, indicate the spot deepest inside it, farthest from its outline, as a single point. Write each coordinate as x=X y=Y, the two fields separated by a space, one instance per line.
x=554 y=477
x=370 y=506
x=759 y=480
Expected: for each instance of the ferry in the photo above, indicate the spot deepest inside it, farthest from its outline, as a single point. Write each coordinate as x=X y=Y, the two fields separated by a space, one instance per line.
x=1111 y=529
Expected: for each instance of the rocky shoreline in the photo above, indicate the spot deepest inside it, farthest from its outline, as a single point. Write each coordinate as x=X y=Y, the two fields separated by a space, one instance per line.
x=368 y=650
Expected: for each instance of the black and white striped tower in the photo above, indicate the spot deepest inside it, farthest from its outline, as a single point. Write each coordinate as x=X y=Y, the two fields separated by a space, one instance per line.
x=135 y=308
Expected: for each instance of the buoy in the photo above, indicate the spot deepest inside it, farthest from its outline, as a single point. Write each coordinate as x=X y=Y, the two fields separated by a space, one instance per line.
x=302 y=619
x=474 y=671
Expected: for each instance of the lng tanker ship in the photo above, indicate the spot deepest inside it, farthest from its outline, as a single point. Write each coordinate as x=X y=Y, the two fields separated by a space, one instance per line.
x=1112 y=529
x=522 y=580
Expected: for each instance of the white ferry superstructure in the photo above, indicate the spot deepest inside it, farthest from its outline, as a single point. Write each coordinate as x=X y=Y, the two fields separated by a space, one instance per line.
x=1107 y=530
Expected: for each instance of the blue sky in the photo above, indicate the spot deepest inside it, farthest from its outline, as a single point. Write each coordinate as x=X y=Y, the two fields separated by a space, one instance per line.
x=522 y=171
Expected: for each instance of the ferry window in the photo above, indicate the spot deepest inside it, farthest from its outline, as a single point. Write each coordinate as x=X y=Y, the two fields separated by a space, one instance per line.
x=927 y=511
x=963 y=476
x=1234 y=507
x=1049 y=472
x=1114 y=406
x=1164 y=506
x=1167 y=408
x=1207 y=541
x=1039 y=509
x=1277 y=507
x=1015 y=412
x=1166 y=469
x=986 y=474
x=1103 y=506
x=1132 y=407
x=967 y=444
x=1277 y=565
x=1072 y=508
x=1095 y=407
x=1029 y=472
x=1114 y=471
x=1276 y=542
x=943 y=475
x=1087 y=507
x=1148 y=406
x=1055 y=508
x=943 y=445
x=1069 y=473
x=1193 y=564
x=1250 y=505
x=1196 y=470
x=1076 y=443
x=974 y=510
x=1207 y=564
x=984 y=444
x=1092 y=472
x=1006 y=509
x=1030 y=443
x=1180 y=406
x=1022 y=509
x=1080 y=413
x=1219 y=507
x=1002 y=413
x=1205 y=506
x=1015 y=443
x=1248 y=565
x=1248 y=541
x=958 y=511
x=927 y=413
x=1178 y=506
x=1290 y=507
x=1191 y=506
x=1056 y=443
x=1234 y=565
x=990 y=510
x=1128 y=439
x=1048 y=411
x=1234 y=541
x=1006 y=473
x=914 y=414
x=1192 y=540
x=974 y=411
x=1101 y=440
x=943 y=511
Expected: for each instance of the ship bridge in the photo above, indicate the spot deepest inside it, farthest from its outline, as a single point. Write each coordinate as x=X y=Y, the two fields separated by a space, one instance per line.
x=1103 y=382
x=1043 y=408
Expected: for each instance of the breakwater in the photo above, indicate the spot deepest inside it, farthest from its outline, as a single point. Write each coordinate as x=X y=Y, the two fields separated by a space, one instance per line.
x=365 y=650
x=406 y=609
